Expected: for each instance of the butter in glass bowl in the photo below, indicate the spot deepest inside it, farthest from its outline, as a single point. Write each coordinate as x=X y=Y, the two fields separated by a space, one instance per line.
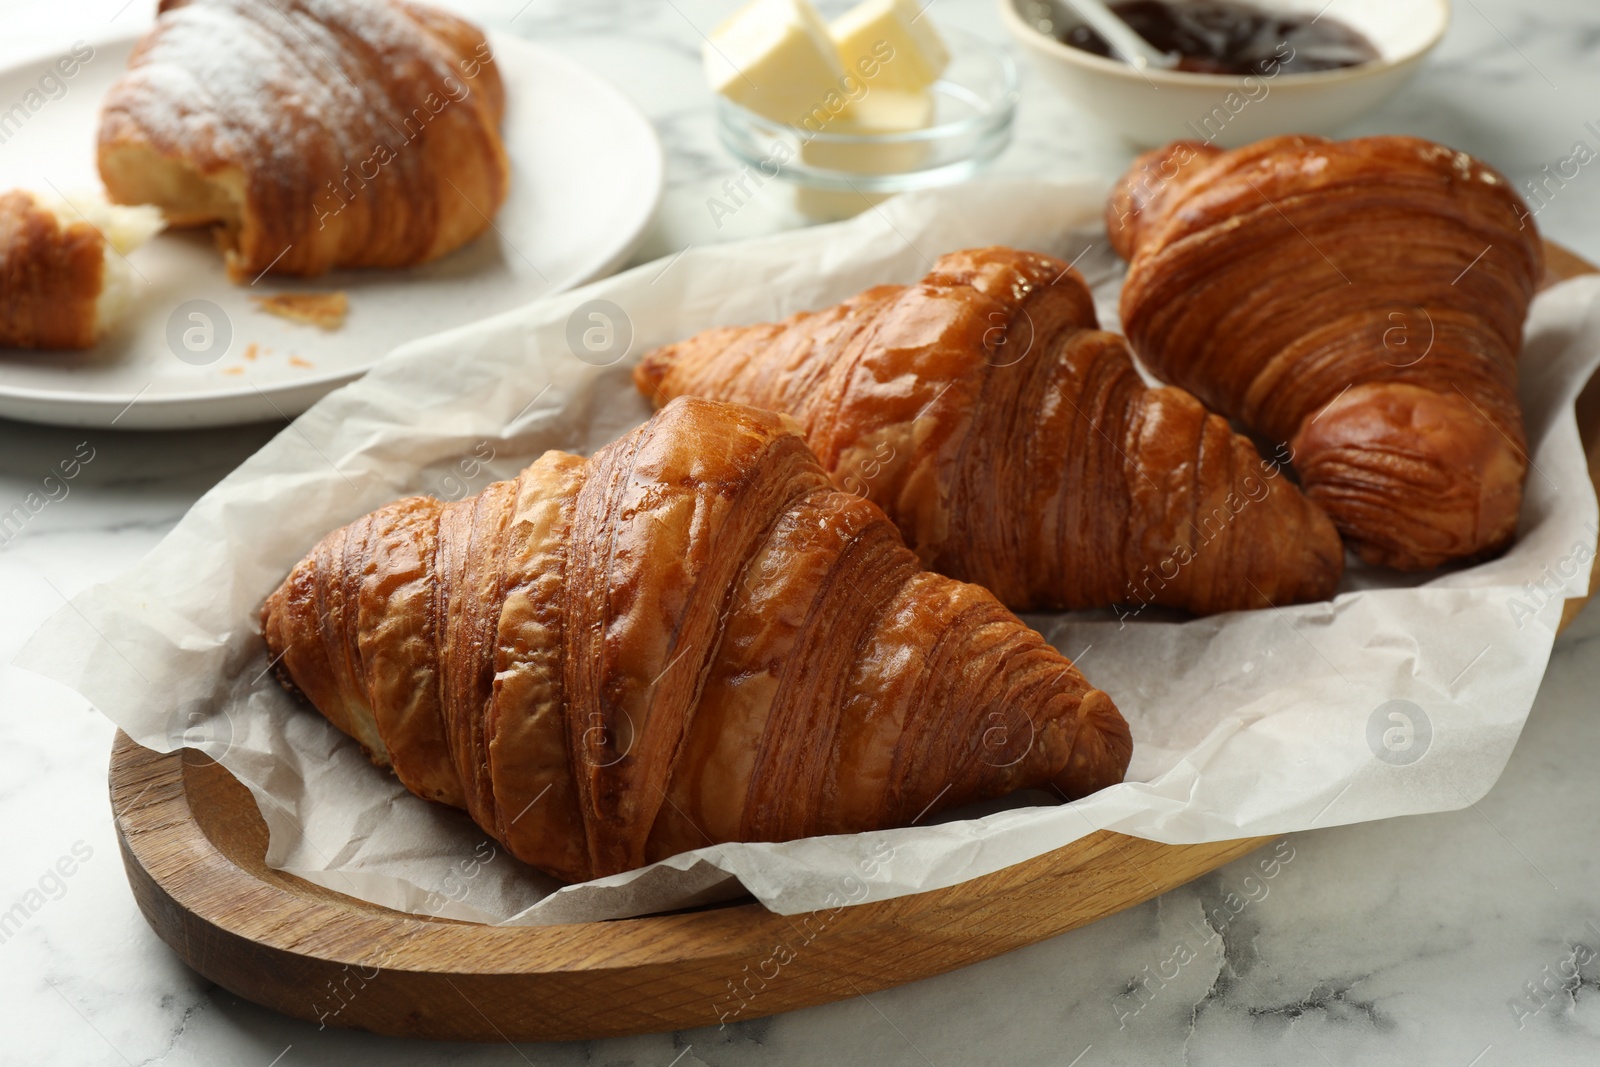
x=849 y=112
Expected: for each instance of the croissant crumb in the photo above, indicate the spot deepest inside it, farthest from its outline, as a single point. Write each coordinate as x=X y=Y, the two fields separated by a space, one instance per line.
x=324 y=310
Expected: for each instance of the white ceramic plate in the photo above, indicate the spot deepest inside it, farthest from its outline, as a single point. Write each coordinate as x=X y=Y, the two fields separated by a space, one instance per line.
x=586 y=178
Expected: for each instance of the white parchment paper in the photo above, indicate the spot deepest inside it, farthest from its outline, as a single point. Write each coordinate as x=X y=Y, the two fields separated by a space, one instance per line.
x=1399 y=696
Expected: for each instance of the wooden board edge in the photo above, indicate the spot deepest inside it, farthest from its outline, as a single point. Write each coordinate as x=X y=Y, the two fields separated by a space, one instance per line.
x=295 y=948
x=1561 y=264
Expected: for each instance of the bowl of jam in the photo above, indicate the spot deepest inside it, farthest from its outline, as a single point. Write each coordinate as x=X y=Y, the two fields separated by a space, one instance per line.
x=1234 y=70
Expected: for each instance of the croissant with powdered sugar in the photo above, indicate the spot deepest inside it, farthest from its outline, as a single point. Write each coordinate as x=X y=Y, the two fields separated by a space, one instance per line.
x=311 y=134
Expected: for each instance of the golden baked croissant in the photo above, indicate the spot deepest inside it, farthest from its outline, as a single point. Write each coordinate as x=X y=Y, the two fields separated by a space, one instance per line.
x=1015 y=446
x=1362 y=301
x=63 y=279
x=314 y=133
x=690 y=638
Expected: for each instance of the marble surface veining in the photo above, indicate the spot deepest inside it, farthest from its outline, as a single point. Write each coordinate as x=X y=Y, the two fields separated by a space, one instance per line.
x=1467 y=939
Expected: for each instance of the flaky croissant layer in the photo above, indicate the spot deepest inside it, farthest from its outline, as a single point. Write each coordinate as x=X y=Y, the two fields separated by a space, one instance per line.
x=1015 y=445
x=690 y=638
x=1361 y=302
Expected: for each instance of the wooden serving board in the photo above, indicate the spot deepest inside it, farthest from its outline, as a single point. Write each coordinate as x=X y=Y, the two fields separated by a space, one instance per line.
x=194 y=843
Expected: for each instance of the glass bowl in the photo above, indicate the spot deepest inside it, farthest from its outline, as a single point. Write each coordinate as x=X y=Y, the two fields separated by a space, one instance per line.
x=839 y=174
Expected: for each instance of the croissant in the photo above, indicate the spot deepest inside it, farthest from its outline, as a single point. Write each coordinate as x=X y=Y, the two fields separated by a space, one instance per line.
x=1015 y=446
x=312 y=134
x=1362 y=302
x=64 y=281
x=689 y=638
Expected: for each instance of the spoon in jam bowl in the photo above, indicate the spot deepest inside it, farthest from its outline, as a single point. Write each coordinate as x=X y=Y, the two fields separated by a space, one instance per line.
x=1247 y=69
x=1122 y=37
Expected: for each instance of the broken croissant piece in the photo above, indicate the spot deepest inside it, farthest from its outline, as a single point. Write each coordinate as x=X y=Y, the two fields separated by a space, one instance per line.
x=312 y=134
x=691 y=637
x=1361 y=302
x=1015 y=445
x=63 y=276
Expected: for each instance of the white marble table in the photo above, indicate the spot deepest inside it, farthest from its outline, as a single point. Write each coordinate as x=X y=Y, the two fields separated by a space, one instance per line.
x=1421 y=941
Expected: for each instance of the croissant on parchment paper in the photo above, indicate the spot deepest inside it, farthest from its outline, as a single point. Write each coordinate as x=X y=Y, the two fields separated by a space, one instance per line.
x=1015 y=445
x=690 y=638
x=313 y=134
x=1362 y=301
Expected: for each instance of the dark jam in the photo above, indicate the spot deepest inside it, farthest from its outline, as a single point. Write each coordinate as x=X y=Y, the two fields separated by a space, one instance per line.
x=1224 y=37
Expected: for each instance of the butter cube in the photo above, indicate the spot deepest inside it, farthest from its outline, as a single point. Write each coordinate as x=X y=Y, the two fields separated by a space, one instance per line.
x=884 y=110
x=879 y=111
x=775 y=58
x=890 y=43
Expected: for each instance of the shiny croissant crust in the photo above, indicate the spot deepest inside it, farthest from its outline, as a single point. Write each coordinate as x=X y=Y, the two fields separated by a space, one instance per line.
x=690 y=638
x=1362 y=301
x=1015 y=445
x=315 y=133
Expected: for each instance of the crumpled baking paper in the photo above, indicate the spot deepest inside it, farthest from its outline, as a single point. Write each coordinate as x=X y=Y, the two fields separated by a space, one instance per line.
x=1399 y=696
